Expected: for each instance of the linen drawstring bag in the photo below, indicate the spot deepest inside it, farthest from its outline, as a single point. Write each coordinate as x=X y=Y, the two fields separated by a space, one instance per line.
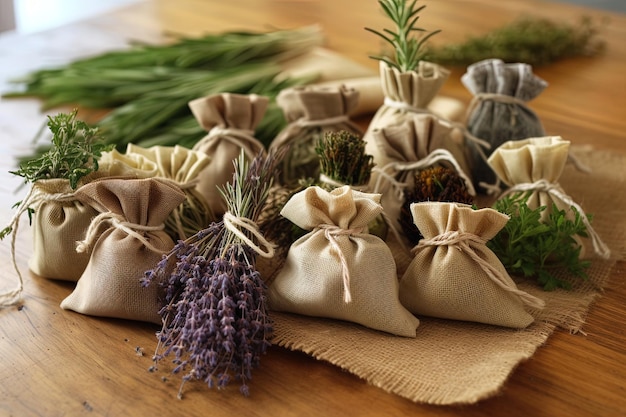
x=454 y=275
x=124 y=240
x=230 y=120
x=183 y=166
x=498 y=111
x=338 y=270
x=311 y=112
x=534 y=166
x=418 y=142
x=124 y=165
x=59 y=219
x=405 y=94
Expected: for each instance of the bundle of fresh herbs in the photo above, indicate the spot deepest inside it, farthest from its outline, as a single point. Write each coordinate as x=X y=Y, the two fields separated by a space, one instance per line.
x=149 y=86
x=532 y=40
x=343 y=160
x=530 y=247
x=74 y=153
x=215 y=319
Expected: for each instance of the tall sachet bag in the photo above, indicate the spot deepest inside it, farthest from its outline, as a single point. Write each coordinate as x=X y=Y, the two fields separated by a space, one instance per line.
x=499 y=110
x=454 y=275
x=405 y=94
x=535 y=166
x=311 y=111
x=230 y=120
x=124 y=240
x=338 y=270
x=420 y=141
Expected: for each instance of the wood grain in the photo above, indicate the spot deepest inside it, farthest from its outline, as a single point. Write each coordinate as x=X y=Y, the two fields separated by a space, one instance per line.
x=60 y=363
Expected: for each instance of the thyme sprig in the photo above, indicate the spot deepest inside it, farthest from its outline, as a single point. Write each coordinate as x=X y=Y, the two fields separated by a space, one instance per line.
x=407 y=49
x=531 y=247
x=215 y=318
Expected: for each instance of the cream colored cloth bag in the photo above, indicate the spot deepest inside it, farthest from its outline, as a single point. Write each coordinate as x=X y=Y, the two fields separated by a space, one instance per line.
x=406 y=93
x=338 y=270
x=60 y=219
x=418 y=142
x=310 y=112
x=124 y=240
x=230 y=120
x=454 y=275
x=117 y=164
x=183 y=166
x=535 y=165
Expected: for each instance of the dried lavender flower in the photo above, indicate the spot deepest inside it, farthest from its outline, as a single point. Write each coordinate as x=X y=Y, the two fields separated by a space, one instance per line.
x=215 y=318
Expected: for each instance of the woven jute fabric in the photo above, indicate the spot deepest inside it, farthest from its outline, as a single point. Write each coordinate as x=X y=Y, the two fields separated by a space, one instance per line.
x=455 y=362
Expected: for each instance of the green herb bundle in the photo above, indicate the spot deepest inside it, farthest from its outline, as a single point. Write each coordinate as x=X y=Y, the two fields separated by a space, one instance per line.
x=532 y=248
x=407 y=49
x=532 y=40
x=343 y=159
x=148 y=86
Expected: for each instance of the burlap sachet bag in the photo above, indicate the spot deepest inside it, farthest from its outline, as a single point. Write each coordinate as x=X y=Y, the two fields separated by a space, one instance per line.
x=124 y=240
x=338 y=270
x=534 y=166
x=183 y=166
x=418 y=142
x=311 y=112
x=454 y=275
x=230 y=120
x=499 y=111
x=59 y=220
x=406 y=93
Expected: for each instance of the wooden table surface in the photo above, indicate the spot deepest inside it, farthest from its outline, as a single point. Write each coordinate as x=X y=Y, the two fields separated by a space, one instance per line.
x=59 y=363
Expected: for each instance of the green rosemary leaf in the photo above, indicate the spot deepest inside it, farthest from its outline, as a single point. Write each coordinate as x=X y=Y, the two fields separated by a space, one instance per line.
x=407 y=50
x=532 y=248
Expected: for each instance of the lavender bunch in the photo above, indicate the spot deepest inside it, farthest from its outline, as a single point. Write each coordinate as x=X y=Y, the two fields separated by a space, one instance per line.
x=215 y=318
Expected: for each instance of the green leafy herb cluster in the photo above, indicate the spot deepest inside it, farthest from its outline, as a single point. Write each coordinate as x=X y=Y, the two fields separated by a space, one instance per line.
x=76 y=148
x=343 y=159
x=533 y=248
x=532 y=40
x=407 y=49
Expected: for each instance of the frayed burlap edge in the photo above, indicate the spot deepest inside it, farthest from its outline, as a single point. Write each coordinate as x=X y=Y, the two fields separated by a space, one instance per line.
x=451 y=362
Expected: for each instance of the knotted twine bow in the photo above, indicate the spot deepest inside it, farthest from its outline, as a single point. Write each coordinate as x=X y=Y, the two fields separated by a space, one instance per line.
x=463 y=242
x=331 y=231
x=118 y=222
x=236 y=224
x=554 y=190
x=36 y=198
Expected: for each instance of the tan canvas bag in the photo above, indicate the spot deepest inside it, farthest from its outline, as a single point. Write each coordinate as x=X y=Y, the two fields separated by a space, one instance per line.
x=310 y=112
x=124 y=240
x=338 y=270
x=230 y=120
x=454 y=275
x=535 y=165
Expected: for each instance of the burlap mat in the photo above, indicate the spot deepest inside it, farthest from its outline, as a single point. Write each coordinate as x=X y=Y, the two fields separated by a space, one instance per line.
x=451 y=362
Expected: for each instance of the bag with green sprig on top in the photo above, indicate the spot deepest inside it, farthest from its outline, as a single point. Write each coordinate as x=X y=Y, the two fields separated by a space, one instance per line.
x=534 y=166
x=338 y=270
x=454 y=275
x=123 y=241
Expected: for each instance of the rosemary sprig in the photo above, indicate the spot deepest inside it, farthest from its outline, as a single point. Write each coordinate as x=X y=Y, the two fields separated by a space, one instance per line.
x=407 y=49
x=533 y=248
x=532 y=40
